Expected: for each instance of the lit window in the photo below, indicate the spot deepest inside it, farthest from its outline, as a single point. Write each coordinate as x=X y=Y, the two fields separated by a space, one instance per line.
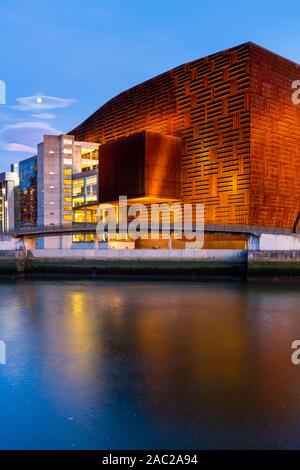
x=68 y=151
x=68 y=142
x=78 y=238
x=68 y=161
x=90 y=237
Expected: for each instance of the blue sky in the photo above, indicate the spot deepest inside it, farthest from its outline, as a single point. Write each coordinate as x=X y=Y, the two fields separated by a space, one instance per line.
x=78 y=54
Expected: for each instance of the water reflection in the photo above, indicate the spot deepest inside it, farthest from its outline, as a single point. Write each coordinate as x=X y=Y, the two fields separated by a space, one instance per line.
x=148 y=365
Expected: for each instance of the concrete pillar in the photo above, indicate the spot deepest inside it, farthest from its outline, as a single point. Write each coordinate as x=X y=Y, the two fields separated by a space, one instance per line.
x=170 y=243
x=30 y=243
x=96 y=242
x=254 y=242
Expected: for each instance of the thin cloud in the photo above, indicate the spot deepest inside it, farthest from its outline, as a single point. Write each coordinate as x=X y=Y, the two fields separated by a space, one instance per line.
x=24 y=136
x=43 y=116
x=41 y=126
x=22 y=148
x=41 y=103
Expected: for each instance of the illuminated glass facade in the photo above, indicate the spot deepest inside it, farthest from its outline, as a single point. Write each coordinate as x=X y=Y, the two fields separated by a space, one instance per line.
x=28 y=191
x=85 y=188
x=85 y=200
x=89 y=159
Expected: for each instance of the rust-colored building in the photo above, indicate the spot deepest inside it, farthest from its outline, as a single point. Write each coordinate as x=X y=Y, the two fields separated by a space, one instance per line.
x=143 y=165
x=238 y=129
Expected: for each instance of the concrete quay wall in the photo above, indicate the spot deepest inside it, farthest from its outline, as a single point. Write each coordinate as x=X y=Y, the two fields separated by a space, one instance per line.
x=272 y=263
x=154 y=263
x=182 y=264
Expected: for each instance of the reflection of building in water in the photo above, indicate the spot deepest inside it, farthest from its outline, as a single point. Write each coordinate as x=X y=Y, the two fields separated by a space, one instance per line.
x=210 y=364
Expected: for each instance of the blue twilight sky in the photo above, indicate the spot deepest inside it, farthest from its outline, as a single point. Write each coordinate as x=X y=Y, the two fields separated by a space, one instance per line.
x=77 y=54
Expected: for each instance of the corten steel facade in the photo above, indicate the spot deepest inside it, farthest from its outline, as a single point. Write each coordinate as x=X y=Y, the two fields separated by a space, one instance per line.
x=275 y=141
x=239 y=129
x=153 y=169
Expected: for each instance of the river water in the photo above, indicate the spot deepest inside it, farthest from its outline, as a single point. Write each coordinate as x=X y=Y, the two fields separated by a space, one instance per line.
x=123 y=365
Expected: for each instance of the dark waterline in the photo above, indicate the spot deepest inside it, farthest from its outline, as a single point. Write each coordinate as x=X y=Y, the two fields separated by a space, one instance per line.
x=123 y=365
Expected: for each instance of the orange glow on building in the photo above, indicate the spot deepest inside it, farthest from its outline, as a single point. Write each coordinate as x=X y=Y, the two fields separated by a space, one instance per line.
x=239 y=133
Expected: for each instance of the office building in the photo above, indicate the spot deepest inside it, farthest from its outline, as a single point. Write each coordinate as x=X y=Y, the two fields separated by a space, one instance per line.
x=59 y=158
x=9 y=180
